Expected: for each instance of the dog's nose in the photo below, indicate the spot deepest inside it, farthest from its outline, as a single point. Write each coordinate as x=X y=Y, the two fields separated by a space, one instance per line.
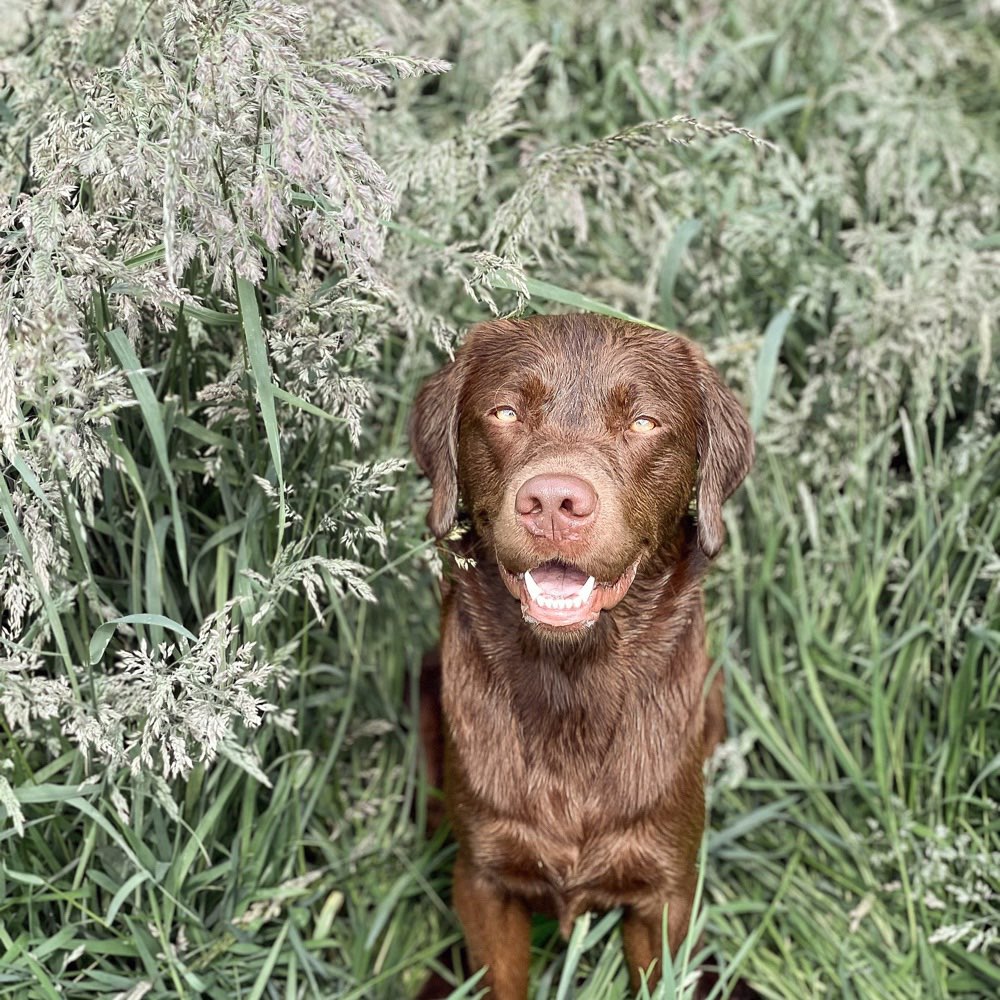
x=556 y=505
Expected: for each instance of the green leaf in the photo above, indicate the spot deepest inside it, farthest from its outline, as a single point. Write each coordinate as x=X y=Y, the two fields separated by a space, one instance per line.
x=573 y=955
x=46 y=793
x=152 y=416
x=261 y=368
x=122 y=347
x=30 y=479
x=778 y=110
x=303 y=404
x=536 y=289
x=767 y=365
x=24 y=878
x=100 y=639
x=990 y=242
x=671 y=266
x=150 y=256
x=264 y=976
x=563 y=296
x=129 y=886
x=204 y=315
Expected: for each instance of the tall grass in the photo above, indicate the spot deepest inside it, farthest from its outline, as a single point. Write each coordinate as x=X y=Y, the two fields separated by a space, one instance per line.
x=236 y=235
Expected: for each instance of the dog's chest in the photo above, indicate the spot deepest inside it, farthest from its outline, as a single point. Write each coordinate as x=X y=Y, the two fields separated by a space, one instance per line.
x=573 y=817
x=576 y=795
x=566 y=858
x=576 y=766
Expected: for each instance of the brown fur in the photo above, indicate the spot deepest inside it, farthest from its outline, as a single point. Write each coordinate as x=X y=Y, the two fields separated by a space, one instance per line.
x=572 y=759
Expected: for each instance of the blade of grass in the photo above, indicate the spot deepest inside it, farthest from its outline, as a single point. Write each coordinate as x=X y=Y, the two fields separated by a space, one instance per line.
x=261 y=369
x=671 y=266
x=767 y=365
x=150 y=408
x=574 y=953
x=305 y=405
x=102 y=636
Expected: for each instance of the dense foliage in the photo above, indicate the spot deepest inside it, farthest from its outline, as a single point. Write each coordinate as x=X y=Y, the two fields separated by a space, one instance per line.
x=234 y=236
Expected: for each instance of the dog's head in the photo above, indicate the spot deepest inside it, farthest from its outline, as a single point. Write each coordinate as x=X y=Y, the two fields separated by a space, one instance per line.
x=575 y=444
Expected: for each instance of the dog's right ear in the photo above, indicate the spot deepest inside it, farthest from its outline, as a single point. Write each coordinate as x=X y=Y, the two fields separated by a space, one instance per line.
x=434 y=440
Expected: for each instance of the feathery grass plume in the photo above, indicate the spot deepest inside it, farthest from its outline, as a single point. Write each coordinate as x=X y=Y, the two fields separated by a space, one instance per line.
x=162 y=702
x=154 y=154
x=550 y=197
x=953 y=873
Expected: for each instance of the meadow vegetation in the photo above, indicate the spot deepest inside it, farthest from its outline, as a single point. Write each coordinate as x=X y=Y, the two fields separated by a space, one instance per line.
x=234 y=237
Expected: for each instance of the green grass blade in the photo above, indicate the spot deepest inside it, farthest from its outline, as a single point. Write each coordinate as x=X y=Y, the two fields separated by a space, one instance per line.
x=153 y=417
x=102 y=636
x=264 y=976
x=302 y=404
x=767 y=365
x=573 y=955
x=130 y=885
x=261 y=369
x=544 y=290
x=548 y=292
x=30 y=479
x=671 y=266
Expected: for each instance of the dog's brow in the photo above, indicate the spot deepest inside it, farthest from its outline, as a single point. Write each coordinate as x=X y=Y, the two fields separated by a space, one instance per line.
x=623 y=395
x=530 y=390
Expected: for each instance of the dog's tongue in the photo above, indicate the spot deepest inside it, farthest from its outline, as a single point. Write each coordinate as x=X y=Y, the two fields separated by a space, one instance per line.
x=559 y=581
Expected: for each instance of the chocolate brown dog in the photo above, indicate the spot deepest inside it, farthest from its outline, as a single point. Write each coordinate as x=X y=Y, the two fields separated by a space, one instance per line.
x=573 y=681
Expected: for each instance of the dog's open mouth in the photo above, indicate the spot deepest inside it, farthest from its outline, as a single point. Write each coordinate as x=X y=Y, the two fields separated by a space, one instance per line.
x=563 y=596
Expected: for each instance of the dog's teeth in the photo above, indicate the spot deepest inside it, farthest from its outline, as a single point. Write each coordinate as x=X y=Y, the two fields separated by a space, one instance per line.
x=543 y=600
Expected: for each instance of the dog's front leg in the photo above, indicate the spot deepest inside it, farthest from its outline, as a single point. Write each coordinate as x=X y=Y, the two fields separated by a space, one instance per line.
x=643 y=936
x=497 y=929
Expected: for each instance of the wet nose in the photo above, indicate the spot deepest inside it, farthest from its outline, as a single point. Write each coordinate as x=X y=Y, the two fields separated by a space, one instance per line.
x=557 y=506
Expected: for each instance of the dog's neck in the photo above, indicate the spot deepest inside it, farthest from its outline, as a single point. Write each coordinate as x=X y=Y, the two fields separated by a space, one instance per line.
x=573 y=697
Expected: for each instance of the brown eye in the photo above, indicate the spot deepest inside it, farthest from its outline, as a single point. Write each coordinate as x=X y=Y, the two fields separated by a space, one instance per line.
x=505 y=415
x=643 y=425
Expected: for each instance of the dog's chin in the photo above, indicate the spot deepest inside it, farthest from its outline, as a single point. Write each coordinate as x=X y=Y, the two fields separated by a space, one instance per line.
x=559 y=599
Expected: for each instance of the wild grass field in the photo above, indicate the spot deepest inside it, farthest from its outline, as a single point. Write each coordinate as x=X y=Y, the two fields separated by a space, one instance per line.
x=234 y=237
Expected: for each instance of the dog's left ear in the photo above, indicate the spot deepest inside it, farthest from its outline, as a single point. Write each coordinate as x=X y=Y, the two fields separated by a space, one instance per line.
x=725 y=453
x=434 y=440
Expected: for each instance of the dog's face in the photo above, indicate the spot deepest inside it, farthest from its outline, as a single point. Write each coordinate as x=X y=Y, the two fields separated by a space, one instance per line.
x=575 y=444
